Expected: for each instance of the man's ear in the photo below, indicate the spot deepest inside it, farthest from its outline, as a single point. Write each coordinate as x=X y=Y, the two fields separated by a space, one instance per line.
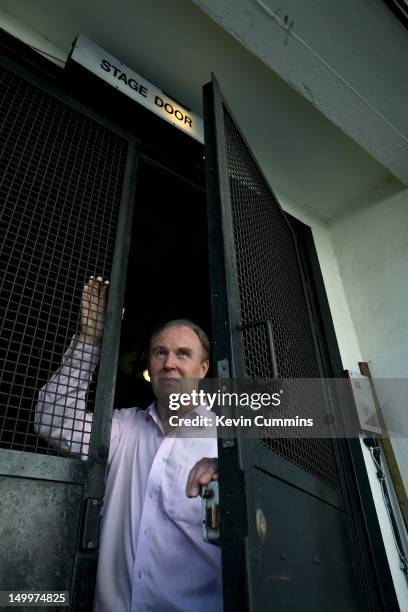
x=204 y=367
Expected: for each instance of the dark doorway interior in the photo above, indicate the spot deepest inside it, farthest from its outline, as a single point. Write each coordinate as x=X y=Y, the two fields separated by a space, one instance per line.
x=167 y=272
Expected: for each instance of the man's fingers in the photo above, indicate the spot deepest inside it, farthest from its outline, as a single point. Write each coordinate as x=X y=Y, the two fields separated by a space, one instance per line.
x=207 y=476
x=85 y=293
x=196 y=473
x=202 y=473
x=192 y=488
x=104 y=291
x=203 y=479
x=190 y=481
x=93 y=305
x=95 y=288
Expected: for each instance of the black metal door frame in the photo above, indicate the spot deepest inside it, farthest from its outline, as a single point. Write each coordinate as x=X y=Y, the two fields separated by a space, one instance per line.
x=376 y=577
x=91 y=473
x=372 y=573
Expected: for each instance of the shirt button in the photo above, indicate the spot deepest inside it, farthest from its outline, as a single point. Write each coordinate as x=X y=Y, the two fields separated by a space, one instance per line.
x=140 y=573
x=151 y=494
x=146 y=531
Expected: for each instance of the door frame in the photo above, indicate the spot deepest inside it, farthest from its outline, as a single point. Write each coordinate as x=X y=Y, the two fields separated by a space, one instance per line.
x=369 y=542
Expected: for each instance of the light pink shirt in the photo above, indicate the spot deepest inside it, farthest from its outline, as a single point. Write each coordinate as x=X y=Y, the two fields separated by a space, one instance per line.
x=152 y=554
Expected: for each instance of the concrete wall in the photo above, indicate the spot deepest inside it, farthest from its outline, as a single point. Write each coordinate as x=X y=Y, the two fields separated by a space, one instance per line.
x=329 y=52
x=371 y=246
x=17 y=29
x=370 y=243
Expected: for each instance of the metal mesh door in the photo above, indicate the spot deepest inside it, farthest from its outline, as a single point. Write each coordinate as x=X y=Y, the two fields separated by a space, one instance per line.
x=66 y=200
x=286 y=526
x=270 y=288
x=61 y=176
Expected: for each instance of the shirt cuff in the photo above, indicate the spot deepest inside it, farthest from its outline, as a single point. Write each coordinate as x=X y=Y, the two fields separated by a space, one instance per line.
x=82 y=353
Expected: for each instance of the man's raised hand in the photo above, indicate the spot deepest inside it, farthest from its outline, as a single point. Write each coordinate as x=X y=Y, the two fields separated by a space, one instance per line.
x=93 y=307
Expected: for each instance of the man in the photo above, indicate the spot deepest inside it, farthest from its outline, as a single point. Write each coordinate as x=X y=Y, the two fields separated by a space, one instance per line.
x=152 y=555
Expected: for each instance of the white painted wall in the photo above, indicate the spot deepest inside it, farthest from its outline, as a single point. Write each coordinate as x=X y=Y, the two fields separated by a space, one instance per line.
x=348 y=58
x=370 y=243
x=362 y=256
x=20 y=31
x=371 y=247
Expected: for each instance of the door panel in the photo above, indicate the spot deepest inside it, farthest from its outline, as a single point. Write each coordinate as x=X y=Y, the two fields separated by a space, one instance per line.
x=38 y=533
x=294 y=485
x=313 y=554
x=66 y=200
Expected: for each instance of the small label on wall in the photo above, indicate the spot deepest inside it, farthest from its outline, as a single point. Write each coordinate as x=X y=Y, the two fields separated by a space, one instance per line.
x=119 y=76
x=364 y=402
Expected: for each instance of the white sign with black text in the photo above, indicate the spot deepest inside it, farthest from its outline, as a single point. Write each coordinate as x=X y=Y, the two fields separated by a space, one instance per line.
x=119 y=76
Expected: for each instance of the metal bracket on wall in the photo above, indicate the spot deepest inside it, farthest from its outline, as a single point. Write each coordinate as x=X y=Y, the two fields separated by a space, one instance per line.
x=223 y=370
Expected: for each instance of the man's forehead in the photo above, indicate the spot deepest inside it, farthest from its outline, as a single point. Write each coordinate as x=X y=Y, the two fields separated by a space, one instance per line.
x=176 y=334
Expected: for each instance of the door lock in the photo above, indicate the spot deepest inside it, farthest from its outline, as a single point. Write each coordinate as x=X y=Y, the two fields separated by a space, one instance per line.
x=211 y=513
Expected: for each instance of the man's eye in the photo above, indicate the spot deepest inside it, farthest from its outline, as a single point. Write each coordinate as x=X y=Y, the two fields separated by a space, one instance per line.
x=184 y=353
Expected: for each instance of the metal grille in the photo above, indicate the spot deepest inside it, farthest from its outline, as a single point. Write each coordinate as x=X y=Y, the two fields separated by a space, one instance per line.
x=270 y=288
x=61 y=176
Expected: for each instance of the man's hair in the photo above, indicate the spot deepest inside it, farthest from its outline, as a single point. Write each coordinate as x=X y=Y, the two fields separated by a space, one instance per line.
x=202 y=336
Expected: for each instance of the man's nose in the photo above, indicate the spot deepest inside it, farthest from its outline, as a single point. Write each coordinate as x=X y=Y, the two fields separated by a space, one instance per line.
x=169 y=361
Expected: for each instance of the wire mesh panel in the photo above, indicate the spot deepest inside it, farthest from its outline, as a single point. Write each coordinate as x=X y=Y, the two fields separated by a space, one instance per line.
x=270 y=288
x=61 y=176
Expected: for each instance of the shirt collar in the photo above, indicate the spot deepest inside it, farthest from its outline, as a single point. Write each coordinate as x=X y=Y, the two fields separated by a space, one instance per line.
x=152 y=414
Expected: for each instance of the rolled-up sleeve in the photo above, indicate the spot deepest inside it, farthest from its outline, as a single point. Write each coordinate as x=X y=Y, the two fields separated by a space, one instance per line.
x=60 y=413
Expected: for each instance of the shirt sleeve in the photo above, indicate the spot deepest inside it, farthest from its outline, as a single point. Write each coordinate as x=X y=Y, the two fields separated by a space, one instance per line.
x=60 y=413
x=115 y=434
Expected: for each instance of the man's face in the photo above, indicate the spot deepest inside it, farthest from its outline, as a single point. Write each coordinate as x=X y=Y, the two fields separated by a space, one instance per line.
x=175 y=361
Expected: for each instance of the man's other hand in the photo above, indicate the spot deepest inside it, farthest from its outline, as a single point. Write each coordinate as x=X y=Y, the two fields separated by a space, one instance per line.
x=202 y=473
x=93 y=306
